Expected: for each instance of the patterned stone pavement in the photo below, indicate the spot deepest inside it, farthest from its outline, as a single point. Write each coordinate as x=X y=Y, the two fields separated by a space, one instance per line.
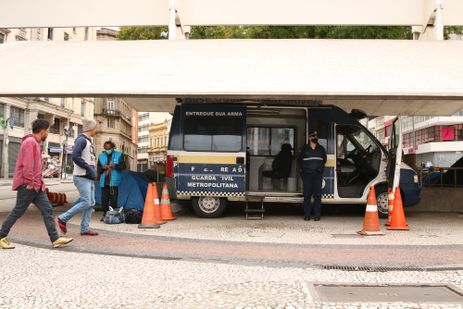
x=130 y=270
x=44 y=278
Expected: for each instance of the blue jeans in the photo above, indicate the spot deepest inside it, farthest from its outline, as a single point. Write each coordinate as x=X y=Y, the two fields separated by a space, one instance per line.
x=84 y=204
x=24 y=199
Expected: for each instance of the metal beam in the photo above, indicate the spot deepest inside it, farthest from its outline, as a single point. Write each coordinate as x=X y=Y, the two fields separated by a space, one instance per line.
x=67 y=13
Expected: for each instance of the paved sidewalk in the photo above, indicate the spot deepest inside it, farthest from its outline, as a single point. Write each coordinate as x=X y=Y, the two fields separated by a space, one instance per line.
x=38 y=278
x=425 y=229
x=30 y=231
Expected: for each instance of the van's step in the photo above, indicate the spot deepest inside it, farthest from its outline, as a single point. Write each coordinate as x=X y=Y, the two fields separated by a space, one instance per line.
x=254 y=211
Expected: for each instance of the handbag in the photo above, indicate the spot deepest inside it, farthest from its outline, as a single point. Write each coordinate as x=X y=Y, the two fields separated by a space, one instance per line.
x=114 y=216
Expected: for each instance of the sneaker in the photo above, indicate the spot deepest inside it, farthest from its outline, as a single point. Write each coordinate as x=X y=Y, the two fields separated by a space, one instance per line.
x=306 y=218
x=61 y=225
x=61 y=241
x=5 y=243
x=89 y=233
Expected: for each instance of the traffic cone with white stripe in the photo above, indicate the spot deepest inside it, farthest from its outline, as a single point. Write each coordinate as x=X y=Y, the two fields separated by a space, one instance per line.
x=151 y=218
x=371 y=222
x=166 y=209
x=390 y=206
x=398 y=221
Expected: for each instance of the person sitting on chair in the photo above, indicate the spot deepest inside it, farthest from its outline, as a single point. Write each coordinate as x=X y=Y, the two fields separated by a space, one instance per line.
x=281 y=165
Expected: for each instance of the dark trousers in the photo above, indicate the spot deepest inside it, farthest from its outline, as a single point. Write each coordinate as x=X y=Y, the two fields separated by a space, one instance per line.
x=312 y=187
x=108 y=197
x=23 y=200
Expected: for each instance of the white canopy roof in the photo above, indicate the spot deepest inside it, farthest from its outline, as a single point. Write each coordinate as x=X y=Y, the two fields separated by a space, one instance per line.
x=378 y=76
x=67 y=13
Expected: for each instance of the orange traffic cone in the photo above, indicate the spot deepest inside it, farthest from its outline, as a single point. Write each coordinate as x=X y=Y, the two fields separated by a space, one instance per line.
x=166 y=209
x=390 y=204
x=398 y=221
x=157 y=206
x=148 y=220
x=371 y=221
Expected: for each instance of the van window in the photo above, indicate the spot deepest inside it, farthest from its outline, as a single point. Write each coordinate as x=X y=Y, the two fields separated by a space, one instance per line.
x=365 y=140
x=213 y=134
x=263 y=141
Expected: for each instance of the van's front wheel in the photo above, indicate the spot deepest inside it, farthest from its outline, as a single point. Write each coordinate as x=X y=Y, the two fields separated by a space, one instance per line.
x=381 y=201
x=209 y=206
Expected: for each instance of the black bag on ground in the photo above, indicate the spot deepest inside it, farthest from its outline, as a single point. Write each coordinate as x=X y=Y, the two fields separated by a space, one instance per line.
x=114 y=216
x=133 y=216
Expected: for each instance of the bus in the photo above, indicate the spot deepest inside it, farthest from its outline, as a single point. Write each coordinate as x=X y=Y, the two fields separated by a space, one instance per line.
x=222 y=151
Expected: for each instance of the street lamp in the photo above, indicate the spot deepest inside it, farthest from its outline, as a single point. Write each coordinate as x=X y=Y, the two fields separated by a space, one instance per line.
x=68 y=131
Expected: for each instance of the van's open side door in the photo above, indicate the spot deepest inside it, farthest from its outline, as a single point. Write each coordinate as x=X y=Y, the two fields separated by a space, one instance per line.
x=394 y=155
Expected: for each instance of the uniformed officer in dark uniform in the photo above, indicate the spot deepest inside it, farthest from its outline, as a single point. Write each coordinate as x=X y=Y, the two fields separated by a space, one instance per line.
x=312 y=159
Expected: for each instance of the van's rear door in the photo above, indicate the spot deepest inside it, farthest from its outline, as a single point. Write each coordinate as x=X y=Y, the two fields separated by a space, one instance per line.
x=212 y=160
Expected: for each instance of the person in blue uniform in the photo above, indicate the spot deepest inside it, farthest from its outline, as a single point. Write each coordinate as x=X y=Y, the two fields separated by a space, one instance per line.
x=312 y=160
x=110 y=165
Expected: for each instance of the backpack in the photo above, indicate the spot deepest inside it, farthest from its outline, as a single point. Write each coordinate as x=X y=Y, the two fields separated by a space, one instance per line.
x=114 y=216
x=133 y=216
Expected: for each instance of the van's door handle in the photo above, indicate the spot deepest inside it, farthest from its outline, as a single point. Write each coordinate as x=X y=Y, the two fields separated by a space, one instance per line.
x=240 y=160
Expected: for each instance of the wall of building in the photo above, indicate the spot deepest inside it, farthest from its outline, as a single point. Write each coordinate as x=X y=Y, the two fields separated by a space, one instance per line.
x=159 y=137
x=115 y=123
x=144 y=121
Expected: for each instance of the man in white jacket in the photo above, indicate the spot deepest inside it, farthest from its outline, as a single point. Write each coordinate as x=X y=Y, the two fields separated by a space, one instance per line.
x=84 y=175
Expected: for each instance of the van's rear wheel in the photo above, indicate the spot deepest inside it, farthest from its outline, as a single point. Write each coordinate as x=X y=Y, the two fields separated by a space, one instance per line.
x=381 y=201
x=209 y=206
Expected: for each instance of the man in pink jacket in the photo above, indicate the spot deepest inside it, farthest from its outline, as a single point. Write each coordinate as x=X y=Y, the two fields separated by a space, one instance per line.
x=28 y=182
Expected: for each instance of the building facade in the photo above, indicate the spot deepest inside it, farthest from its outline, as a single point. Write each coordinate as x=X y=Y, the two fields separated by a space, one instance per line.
x=438 y=140
x=145 y=120
x=115 y=123
x=159 y=138
x=64 y=114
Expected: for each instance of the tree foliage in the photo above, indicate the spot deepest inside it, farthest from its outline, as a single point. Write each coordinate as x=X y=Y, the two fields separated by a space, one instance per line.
x=272 y=32
x=280 y=32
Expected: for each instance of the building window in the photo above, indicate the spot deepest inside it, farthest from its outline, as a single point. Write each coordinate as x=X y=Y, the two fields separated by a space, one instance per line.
x=2 y=38
x=17 y=114
x=111 y=123
x=110 y=104
x=143 y=139
x=50 y=34
x=46 y=99
x=86 y=34
x=55 y=127
x=144 y=117
x=82 y=109
x=62 y=102
x=143 y=149
x=143 y=128
x=66 y=36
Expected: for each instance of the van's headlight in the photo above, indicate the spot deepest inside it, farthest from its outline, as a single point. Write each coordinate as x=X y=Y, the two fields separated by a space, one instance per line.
x=415 y=178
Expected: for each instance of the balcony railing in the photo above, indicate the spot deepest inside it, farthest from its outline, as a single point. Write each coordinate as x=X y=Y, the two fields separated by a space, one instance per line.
x=111 y=112
x=114 y=113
